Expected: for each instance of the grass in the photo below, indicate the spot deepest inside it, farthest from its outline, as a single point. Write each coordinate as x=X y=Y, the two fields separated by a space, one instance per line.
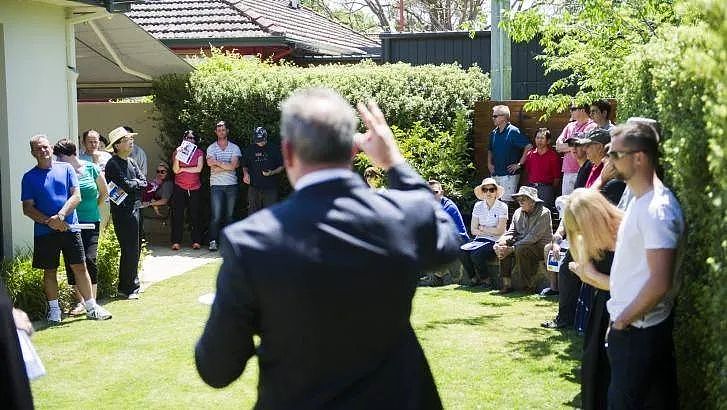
x=485 y=351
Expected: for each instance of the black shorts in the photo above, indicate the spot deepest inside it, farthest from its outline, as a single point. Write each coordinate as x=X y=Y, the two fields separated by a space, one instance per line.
x=47 y=249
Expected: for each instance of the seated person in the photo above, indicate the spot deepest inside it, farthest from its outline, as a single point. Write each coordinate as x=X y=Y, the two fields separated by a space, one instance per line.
x=489 y=220
x=159 y=191
x=543 y=168
x=437 y=278
x=530 y=230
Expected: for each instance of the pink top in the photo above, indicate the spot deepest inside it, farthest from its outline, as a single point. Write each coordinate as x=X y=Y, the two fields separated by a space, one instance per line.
x=188 y=180
x=572 y=130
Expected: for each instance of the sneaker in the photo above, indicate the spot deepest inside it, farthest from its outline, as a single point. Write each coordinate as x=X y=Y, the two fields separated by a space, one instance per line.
x=213 y=246
x=131 y=296
x=553 y=324
x=98 y=313
x=434 y=282
x=196 y=245
x=78 y=310
x=54 y=317
x=548 y=292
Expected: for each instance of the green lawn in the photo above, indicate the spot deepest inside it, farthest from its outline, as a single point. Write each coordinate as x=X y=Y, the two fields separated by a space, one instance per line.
x=486 y=351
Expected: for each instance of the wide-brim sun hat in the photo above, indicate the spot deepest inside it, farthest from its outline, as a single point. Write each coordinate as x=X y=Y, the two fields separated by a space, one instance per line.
x=529 y=192
x=115 y=135
x=480 y=194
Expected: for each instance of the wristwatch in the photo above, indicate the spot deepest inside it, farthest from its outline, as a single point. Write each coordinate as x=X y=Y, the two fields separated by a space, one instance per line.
x=61 y=216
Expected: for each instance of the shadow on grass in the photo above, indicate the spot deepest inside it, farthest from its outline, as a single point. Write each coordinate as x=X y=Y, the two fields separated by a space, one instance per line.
x=495 y=303
x=469 y=321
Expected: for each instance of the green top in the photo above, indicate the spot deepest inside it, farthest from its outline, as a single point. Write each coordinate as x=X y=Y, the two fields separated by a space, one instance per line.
x=87 y=210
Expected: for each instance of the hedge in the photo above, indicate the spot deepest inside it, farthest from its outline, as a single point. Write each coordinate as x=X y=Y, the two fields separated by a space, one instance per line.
x=246 y=93
x=679 y=78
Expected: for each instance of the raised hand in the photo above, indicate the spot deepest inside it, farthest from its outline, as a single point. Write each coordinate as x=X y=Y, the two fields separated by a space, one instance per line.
x=378 y=142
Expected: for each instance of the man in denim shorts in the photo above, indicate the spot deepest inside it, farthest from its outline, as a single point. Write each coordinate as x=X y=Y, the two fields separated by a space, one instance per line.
x=50 y=195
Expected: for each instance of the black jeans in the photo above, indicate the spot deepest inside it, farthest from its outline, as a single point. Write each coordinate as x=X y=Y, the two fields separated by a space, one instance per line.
x=183 y=199
x=126 y=225
x=259 y=198
x=569 y=285
x=90 y=249
x=643 y=367
x=475 y=262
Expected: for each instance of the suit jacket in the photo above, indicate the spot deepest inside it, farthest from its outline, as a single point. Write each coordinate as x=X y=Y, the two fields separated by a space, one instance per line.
x=326 y=279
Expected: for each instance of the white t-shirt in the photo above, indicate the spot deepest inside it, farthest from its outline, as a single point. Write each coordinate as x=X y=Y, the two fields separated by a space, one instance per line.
x=653 y=221
x=489 y=217
x=231 y=151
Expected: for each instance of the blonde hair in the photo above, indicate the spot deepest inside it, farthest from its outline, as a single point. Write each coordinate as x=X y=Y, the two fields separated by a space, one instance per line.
x=591 y=223
x=501 y=110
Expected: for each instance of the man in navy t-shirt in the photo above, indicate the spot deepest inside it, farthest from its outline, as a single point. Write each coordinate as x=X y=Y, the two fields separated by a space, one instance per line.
x=261 y=165
x=507 y=151
x=50 y=195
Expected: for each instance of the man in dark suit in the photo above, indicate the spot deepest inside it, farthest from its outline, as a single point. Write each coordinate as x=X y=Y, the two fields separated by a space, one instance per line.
x=326 y=278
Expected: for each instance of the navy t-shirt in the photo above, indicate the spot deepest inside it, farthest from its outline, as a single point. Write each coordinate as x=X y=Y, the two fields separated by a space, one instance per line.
x=49 y=189
x=258 y=159
x=506 y=147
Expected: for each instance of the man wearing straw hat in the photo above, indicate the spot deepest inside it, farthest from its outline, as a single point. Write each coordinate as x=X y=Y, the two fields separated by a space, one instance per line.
x=489 y=220
x=530 y=230
x=126 y=181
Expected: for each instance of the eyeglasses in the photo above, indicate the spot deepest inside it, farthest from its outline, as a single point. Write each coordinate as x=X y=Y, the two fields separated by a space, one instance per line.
x=489 y=189
x=621 y=154
x=161 y=171
x=521 y=200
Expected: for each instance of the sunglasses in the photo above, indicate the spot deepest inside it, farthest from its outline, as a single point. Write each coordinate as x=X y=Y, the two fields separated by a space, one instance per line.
x=161 y=171
x=489 y=190
x=621 y=154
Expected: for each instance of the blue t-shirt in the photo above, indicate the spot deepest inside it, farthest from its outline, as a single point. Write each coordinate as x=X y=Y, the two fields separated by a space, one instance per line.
x=451 y=209
x=49 y=189
x=506 y=147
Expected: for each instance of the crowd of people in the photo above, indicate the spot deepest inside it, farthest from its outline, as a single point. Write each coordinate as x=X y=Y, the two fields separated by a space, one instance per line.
x=615 y=246
x=614 y=249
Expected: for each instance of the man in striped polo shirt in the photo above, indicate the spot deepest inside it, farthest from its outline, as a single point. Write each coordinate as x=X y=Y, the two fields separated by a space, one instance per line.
x=223 y=158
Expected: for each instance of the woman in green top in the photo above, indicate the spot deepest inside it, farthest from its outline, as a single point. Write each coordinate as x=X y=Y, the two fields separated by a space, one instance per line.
x=93 y=193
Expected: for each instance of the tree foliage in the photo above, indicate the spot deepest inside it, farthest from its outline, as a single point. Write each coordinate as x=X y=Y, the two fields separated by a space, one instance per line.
x=665 y=60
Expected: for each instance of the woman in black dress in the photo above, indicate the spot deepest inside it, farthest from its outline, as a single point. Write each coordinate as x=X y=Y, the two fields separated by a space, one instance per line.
x=592 y=224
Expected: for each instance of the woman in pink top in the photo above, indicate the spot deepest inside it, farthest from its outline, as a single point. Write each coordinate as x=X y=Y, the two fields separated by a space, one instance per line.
x=186 y=195
x=576 y=129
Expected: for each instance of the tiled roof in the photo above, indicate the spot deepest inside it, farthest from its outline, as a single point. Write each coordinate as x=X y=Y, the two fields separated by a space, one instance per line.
x=192 y=19
x=308 y=31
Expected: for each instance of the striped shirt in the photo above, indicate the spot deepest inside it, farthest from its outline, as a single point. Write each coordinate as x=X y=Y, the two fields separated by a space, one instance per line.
x=226 y=155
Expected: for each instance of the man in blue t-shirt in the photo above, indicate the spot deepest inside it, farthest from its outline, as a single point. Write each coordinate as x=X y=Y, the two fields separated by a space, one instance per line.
x=507 y=151
x=261 y=165
x=50 y=195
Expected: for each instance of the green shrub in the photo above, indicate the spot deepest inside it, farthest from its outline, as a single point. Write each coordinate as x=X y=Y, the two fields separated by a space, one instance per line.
x=246 y=93
x=441 y=155
x=109 y=255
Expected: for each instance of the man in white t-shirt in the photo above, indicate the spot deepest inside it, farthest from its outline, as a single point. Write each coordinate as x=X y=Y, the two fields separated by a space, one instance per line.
x=223 y=158
x=640 y=342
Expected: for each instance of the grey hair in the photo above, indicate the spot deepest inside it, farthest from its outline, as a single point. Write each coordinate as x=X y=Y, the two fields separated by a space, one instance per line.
x=36 y=139
x=502 y=110
x=320 y=125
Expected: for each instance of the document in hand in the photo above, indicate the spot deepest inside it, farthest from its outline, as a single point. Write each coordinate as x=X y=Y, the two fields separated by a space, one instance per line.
x=116 y=194
x=186 y=151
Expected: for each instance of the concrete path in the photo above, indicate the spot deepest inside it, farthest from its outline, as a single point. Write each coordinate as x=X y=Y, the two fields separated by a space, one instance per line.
x=163 y=263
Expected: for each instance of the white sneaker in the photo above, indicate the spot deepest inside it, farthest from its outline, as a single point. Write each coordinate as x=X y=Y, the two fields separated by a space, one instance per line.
x=98 y=313
x=213 y=245
x=54 y=316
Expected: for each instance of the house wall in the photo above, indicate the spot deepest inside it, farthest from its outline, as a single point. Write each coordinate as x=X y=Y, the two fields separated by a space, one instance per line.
x=105 y=116
x=34 y=100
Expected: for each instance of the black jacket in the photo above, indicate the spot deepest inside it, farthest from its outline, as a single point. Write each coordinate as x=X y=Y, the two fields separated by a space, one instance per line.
x=326 y=279
x=14 y=385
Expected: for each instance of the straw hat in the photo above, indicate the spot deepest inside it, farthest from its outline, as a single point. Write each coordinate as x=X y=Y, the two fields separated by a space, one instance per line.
x=480 y=194
x=529 y=192
x=115 y=135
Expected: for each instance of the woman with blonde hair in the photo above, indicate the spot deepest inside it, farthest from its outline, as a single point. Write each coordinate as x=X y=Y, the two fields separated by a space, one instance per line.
x=592 y=224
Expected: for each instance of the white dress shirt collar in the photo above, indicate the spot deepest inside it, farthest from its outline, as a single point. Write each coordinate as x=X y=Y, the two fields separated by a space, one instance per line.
x=323 y=175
